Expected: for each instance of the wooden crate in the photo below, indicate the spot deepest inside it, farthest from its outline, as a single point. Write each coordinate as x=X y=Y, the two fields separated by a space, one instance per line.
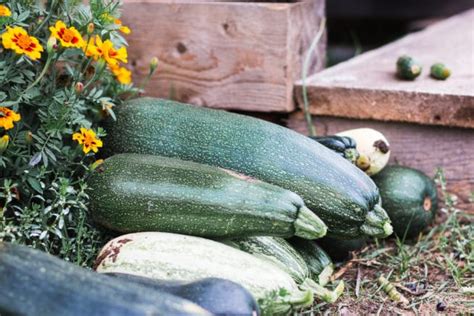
x=224 y=54
x=418 y=146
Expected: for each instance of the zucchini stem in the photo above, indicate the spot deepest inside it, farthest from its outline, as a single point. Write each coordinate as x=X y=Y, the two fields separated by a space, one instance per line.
x=322 y=293
x=283 y=305
x=351 y=154
x=302 y=299
x=377 y=223
x=325 y=275
x=308 y=225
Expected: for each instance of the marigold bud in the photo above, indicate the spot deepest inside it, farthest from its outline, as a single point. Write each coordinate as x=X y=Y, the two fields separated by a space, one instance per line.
x=90 y=28
x=96 y=164
x=51 y=45
x=4 y=143
x=79 y=87
x=153 y=64
x=29 y=137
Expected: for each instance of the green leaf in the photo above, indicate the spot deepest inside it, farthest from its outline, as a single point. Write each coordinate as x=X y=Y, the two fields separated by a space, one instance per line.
x=35 y=160
x=35 y=184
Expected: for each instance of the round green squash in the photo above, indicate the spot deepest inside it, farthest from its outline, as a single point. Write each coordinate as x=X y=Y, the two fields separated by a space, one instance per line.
x=440 y=71
x=408 y=68
x=409 y=197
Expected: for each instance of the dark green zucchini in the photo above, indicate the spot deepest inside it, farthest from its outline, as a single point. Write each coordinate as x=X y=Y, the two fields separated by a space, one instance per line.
x=35 y=283
x=317 y=260
x=340 y=249
x=134 y=193
x=218 y=296
x=340 y=194
x=343 y=145
x=409 y=197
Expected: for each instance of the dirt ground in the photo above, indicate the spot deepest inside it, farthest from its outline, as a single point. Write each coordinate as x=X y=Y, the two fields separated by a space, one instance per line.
x=432 y=275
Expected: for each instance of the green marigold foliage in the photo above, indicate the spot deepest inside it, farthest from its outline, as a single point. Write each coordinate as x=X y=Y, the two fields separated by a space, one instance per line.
x=43 y=194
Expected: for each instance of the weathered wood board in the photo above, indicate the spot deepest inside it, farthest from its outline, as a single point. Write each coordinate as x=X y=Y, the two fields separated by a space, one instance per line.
x=366 y=87
x=230 y=55
x=417 y=146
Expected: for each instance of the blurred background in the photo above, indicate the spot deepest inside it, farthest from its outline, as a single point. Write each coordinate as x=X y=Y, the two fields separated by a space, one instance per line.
x=357 y=26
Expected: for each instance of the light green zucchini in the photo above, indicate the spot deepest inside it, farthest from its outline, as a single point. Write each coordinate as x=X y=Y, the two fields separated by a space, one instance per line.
x=168 y=256
x=280 y=253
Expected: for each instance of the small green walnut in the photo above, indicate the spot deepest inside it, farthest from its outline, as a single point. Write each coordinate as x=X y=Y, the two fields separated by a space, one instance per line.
x=408 y=68
x=440 y=71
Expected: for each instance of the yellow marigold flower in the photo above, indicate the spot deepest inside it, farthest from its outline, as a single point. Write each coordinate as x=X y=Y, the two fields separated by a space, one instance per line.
x=69 y=37
x=105 y=49
x=5 y=11
x=88 y=139
x=123 y=75
x=7 y=117
x=124 y=29
x=18 y=40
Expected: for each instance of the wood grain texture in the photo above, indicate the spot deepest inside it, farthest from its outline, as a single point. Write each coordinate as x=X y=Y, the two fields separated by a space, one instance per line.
x=230 y=55
x=417 y=146
x=366 y=87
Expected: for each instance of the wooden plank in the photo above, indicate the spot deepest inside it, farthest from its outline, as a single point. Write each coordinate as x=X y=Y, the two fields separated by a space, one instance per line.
x=366 y=87
x=417 y=146
x=229 y=55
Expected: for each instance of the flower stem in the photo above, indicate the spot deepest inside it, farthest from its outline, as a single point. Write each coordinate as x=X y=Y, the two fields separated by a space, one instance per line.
x=53 y=4
x=96 y=75
x=306 y=64
x=142 y=85
x=45 y=69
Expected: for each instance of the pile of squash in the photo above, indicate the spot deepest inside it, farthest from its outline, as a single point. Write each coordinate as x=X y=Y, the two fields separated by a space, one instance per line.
x=219 y=213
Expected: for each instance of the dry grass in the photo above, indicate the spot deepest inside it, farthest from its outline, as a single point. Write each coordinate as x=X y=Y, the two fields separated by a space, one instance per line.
x=433 y=273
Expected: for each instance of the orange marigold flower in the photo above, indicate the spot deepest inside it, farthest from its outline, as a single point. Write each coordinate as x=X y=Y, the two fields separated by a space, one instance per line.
x=69 y=37
x=88 y=139
x=18 y=40
x=5 y=11
x=123 y=75
x=91 y=49
x=124 y=29
x=105 y=49
x=7 y=117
